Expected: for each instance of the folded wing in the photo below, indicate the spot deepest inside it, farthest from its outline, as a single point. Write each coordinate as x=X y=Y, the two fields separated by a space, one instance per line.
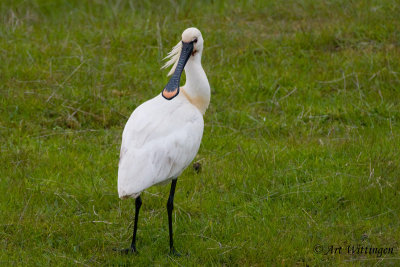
x=159 y=141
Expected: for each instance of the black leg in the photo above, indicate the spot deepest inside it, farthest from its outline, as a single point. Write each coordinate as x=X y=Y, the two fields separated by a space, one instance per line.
x=138 y=204
x=170 y=207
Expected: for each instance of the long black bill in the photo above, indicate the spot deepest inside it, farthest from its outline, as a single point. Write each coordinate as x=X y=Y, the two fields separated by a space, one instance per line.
x=171 y=90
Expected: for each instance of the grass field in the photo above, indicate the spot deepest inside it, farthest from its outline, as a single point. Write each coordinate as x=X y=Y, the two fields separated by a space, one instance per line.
x=300 y=149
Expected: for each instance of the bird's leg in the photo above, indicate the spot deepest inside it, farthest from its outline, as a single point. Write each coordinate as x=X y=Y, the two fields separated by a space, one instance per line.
x=132 y=249
x=138 y=204
x=170 y=207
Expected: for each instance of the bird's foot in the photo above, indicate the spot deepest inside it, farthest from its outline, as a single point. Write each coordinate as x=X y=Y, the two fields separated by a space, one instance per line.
x=126 y=251
x=174 y=252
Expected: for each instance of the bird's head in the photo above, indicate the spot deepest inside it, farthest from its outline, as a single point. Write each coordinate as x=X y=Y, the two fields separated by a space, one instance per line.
x=191 y=41
x=191 y=46
x=193 y=35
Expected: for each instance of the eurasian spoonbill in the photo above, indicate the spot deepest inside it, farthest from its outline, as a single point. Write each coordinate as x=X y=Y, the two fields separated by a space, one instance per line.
x=163 y=135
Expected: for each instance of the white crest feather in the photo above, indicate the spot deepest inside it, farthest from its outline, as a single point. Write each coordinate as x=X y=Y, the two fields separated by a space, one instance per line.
x=173 y=57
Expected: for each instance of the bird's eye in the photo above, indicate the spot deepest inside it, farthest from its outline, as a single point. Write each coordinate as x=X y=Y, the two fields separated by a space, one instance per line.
x=195 y=40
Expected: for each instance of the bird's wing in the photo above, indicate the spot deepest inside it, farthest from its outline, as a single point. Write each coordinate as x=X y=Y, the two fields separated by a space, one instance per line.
x=159 y=141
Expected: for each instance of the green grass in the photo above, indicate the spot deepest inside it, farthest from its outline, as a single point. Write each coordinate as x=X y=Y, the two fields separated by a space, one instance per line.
x=301 y=141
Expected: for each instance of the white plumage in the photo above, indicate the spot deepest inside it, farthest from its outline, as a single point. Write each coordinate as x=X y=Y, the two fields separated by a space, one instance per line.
x=163 y=136
x=160 y=140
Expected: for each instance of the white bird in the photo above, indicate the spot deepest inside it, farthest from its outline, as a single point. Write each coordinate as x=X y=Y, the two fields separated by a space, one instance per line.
x=163 y=135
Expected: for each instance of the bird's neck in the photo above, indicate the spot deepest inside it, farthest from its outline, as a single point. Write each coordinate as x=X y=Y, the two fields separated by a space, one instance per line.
x=197 y=88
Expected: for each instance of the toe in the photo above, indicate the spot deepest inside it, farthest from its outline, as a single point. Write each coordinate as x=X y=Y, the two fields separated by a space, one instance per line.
x=174 y=252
